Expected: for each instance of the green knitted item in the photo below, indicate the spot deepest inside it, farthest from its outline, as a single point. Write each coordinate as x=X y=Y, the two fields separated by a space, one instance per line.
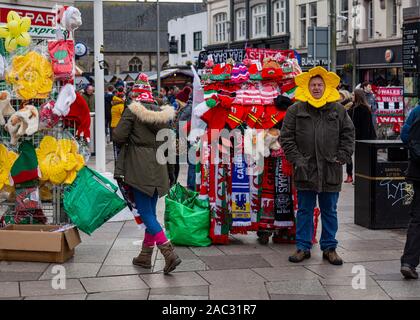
x=25 y=168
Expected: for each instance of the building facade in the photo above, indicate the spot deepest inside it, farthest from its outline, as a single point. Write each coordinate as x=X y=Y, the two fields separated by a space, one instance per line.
x=248 y=23
x=378 y=47
x=130 y=34
x=187 y=37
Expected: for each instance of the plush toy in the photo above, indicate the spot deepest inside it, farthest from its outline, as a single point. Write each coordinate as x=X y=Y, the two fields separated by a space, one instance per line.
x=5 y=106
x=331 y=81
x=69 y=18
x=271 y=141
x=16 y=31
x=24 y=121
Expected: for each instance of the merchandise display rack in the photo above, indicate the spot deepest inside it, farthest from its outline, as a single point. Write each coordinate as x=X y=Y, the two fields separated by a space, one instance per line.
x=52 y=207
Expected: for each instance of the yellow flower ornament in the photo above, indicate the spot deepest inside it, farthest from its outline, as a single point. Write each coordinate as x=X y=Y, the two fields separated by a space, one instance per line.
x=331 y=81
x=16 y=31
x=31 y=76
x=59 y=160
x=7 y=158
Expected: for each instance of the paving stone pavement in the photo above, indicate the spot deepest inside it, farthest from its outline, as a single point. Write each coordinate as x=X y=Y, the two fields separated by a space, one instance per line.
x=102 y=269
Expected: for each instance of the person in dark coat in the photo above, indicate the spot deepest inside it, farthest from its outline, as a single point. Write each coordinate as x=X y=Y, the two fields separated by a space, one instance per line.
x=361 y=115
x=411 y=256
x=317 y=137
x=108 y=105
x=139 y=167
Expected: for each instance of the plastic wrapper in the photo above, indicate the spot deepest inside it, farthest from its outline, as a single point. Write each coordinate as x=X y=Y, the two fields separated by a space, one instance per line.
x=31 y=75
x=47 y=119
x=59 y=159
x=62 y=58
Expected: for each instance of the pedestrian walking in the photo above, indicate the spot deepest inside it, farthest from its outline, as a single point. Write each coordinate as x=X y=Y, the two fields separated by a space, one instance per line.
x=346 y=101
x=371 y=100
x=89 y=96
x=117 y=110
x=410 y=135
x=138 y=166
x=108 y=105
x=318 y=139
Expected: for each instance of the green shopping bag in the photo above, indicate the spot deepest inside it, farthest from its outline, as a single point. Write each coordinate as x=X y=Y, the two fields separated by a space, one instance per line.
x=187 y=218
x=91 y=200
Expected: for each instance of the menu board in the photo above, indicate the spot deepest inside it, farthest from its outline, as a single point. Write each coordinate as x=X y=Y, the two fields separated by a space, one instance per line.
x=411 y=45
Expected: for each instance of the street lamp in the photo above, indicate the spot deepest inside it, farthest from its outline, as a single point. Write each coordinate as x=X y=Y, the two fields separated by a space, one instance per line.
x=354 y=42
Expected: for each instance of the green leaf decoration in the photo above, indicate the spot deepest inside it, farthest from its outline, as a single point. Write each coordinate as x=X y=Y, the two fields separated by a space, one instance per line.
x=61 y=54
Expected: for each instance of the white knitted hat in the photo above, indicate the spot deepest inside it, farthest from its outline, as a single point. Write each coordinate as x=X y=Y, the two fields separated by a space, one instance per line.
x=65 y=99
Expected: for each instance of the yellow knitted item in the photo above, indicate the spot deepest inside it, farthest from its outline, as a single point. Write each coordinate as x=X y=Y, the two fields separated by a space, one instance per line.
x=7 y=158
x=31 y=76
x=331 y=81
x=59 y=160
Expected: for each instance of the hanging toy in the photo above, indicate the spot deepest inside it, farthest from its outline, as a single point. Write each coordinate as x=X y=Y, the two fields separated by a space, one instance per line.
x=15 y=32
x=5 y=107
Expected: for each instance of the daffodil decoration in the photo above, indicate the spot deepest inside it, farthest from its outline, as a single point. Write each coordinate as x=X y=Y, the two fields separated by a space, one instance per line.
x=7 y=158
x=59 y=160
x=331 y=81
x=31 y=76
x=15 y=32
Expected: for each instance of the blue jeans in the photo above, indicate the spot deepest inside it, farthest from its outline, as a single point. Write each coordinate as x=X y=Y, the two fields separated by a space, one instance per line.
x=146 y=207
x=191 y=177
x=305 y=219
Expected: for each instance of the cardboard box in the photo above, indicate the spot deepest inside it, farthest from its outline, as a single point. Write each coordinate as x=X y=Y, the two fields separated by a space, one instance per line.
x=36 y=243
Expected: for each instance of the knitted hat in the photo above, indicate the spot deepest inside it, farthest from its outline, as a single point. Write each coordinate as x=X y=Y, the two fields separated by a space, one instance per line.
x=221 y=72
x=239 y=73
x=271 y=70
x=282 y=102
x=184 y=95
x=80 y=114
x=65 y=98
x=5 y=106
x=47 y=118
x=25 y=168
x=142 y=91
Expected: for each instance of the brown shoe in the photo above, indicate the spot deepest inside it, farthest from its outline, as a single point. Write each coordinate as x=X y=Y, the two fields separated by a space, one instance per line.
x=171 y=258
x=144 y=259
x=332 y=257
x=299 y=256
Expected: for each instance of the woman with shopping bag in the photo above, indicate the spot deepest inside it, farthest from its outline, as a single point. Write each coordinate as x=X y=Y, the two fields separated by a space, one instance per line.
x=137 y=167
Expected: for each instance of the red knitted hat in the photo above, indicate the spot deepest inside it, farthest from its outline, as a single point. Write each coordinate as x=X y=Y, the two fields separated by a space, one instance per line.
x=80 y=114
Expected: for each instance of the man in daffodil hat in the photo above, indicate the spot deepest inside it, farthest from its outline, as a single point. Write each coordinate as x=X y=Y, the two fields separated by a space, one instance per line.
x=318 y=138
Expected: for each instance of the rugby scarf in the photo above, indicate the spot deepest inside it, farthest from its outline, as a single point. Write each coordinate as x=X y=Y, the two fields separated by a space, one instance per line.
x=283 y=204
x=128 y=195
x=267 y=196
x=255 y=190
x=241 y=215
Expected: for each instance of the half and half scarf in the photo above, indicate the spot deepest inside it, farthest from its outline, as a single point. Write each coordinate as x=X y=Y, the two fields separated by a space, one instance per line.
x=241 y=207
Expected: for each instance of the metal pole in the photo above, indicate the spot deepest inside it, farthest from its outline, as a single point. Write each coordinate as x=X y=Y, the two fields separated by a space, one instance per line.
x=354 y=73
x=98 y=34
x=158 y=46
x=333 y=31
x=315 y=47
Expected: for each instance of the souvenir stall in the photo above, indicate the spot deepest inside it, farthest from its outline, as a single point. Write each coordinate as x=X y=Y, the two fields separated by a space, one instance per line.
x=242 y=169
x=44 y=122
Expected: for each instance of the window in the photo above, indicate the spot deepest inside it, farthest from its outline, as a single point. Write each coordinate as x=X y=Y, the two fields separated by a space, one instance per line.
x=259 y=20
x=302 y=20
x=182 y=43
x=198 y=41
x=313 y=13
x=134 y=65
x=280 y=17
x=240 y=24
x=370 y=18
x=394 y=18
x=220 y=27
x=344 y=23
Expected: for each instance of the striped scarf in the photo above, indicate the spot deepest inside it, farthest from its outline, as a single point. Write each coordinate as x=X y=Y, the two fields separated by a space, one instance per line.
x=283 y=207
x=267 y=196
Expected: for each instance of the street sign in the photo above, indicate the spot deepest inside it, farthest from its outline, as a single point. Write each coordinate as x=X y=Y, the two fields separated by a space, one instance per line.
x=411 y=45
x=318 y=44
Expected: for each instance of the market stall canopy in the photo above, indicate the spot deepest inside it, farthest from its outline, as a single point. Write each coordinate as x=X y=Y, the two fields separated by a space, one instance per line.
x=170 y=72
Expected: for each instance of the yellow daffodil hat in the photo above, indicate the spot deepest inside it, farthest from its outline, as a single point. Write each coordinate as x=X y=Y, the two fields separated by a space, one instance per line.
x=331 y=81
